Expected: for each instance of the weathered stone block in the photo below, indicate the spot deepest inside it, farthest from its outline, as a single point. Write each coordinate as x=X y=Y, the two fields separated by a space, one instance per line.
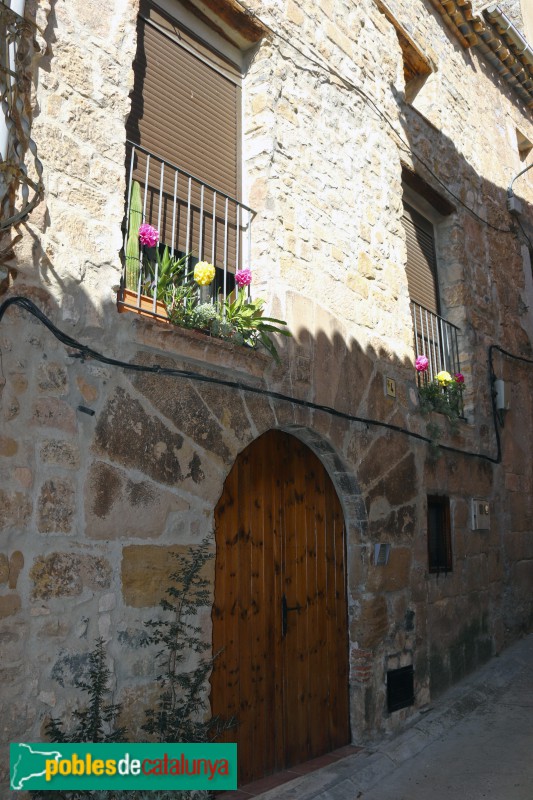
x=56 y=506
x=146 y=571
x=54 y=629
x=51 y=412
x=518 y=546
x=130 y=436
x=371 y=626
x=61 y=454
x=15 y=509
x=66 y=574
x=117 y=506
x=52 y=378
x=185 y=409
x=521 y=507
x=393 y=576
x=384 y=450
x=89 y=391
x=521 y=579
x=231 y=415
x=358 y=558
x=396 y=525
x=9 y=604
x=8 y=446
x=19 y=383
x=399 y=485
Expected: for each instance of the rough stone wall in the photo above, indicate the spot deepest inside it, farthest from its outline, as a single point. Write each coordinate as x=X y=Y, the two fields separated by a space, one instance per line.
x=91 y=505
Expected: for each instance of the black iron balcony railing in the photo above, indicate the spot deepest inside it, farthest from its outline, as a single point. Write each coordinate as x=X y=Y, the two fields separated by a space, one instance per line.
x=436 y=339
x=193 y=220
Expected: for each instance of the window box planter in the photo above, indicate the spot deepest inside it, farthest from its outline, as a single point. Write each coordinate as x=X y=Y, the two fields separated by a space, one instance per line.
x=128 y=300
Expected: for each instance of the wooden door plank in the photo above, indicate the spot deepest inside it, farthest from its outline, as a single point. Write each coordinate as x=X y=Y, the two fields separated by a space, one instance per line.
x=250 y=710
x=318 y=644
x=225 y=676
x=275 y=469
x=295 y=643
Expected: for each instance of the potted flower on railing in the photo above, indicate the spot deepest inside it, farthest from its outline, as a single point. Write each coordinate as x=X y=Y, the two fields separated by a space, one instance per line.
x=443 y=394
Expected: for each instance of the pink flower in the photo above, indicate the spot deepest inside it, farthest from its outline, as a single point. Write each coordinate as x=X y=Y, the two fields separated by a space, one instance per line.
x=243 y=277
x=459 y=377
x=421 y=363
x=148 y=235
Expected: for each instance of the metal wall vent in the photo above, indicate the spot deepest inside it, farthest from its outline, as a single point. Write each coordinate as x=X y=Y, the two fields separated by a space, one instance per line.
x=400 y=688
x=381 y=554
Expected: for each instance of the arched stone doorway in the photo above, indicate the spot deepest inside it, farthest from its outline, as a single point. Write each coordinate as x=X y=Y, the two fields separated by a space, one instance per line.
x=280 y=613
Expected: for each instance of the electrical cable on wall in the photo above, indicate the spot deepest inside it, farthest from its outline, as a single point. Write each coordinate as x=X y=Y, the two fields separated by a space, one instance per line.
x=87 y=352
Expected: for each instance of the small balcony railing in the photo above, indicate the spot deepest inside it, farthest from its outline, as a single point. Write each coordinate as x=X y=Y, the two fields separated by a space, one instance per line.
x=193 y=219
x=436 y=339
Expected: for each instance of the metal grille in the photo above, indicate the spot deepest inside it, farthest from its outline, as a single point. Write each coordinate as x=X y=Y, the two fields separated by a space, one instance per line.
x=400 y=688
x=192 y=217
x=437 y=339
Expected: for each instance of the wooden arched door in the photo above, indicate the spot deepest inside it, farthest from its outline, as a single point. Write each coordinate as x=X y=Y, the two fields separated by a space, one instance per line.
x=279 y=616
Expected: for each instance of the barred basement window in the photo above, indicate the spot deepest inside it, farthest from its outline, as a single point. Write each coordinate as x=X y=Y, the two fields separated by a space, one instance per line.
x=439 y=535
x=400 y=688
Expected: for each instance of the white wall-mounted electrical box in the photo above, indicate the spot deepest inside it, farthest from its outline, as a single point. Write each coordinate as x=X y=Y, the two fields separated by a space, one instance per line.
x=480 y=514
x=502 y=395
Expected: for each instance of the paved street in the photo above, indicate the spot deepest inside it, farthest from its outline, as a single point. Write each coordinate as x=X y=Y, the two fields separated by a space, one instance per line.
x=475 y=742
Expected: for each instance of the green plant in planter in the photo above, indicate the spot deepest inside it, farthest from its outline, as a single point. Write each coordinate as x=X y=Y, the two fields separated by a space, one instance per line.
x=245 y=318
x=237 y=318
x=204 y=315
x=443 y=394
x=182 y=301
x=170 y=273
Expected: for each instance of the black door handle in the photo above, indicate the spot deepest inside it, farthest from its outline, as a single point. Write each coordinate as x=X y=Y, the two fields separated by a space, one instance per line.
x=284 y=610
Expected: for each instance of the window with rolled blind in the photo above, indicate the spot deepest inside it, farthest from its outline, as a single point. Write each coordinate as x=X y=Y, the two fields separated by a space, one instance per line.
x=186 y=106
x=421 y=266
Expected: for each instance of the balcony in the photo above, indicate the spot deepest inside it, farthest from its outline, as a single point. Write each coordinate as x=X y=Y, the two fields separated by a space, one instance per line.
x=436 y=339
x=195 y=221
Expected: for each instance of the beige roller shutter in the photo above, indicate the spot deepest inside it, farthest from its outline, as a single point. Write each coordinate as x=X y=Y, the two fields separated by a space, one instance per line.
x=421 y=264
x=186 y=110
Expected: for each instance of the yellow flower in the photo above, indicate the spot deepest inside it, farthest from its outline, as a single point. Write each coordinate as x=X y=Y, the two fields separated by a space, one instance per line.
x=204 y=273
x=444 y=378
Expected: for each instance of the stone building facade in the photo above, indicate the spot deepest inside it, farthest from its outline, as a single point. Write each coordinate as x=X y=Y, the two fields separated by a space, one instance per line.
x=348 y=110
